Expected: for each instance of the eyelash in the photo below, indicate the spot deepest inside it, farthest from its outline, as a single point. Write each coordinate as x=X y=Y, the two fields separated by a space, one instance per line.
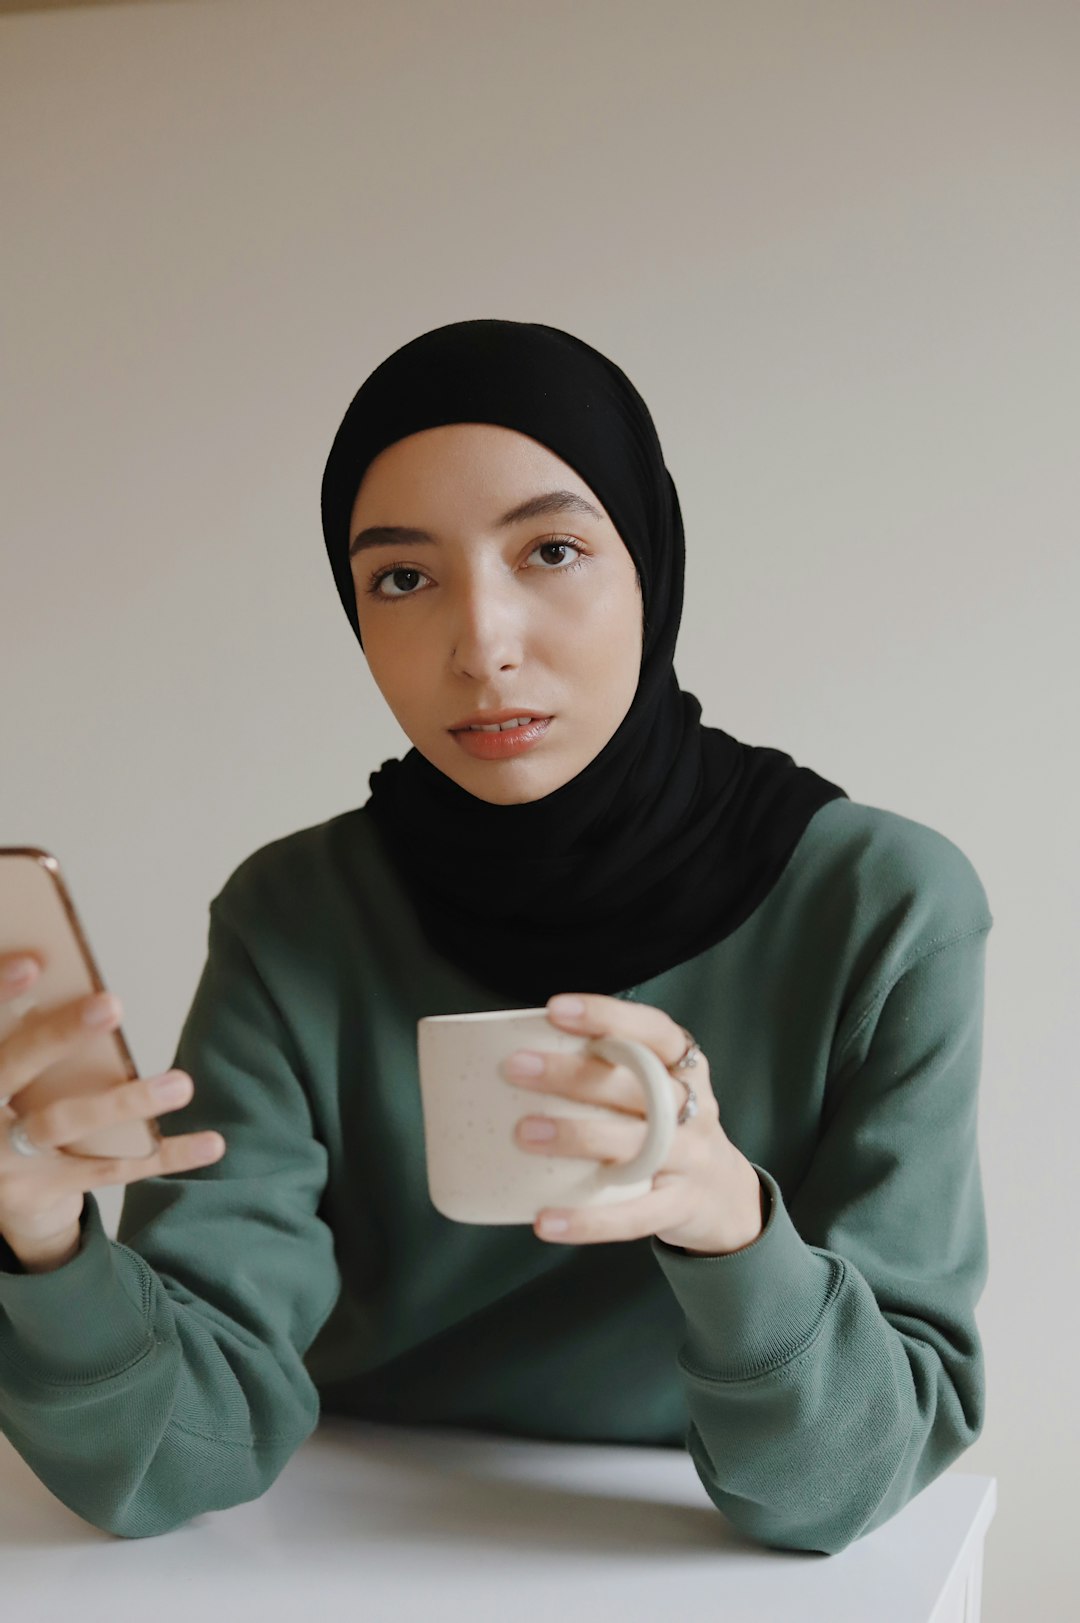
x=372 y=588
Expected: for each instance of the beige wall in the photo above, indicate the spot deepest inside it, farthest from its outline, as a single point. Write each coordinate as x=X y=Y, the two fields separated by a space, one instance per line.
x=837 y=248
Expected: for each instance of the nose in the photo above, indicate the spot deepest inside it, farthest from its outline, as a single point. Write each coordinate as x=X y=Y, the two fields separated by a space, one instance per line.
x=485 y=631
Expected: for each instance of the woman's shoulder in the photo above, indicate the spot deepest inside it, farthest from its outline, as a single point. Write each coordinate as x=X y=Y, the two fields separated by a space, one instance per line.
x=898 y=851
x=300 y=870
x=886 y=891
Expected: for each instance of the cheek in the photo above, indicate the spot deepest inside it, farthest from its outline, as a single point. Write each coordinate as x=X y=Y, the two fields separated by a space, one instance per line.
x=395 y=663
x=609 y=638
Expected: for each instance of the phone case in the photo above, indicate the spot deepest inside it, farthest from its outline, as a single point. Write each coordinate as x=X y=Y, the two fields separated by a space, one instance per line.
x=38 y=915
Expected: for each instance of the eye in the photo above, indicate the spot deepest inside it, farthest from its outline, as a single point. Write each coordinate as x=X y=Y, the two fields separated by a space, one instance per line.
x=560 y=542
x=384 y=574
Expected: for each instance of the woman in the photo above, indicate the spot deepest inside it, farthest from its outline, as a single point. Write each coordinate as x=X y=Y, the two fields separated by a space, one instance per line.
x=793 y=1301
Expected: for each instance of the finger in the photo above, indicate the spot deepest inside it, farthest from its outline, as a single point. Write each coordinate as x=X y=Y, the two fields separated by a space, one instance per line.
x=44 y=1036
x=581 y=1076
x=69 y=1171
x=638 y=1219
x=67 y=1120
x=614 y=1017
x=592 y=1138
x=11 y=983
x=178 y=1154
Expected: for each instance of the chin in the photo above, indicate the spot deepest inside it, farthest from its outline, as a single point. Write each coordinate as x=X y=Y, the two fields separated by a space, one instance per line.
x=493 y=783
x=522 y=787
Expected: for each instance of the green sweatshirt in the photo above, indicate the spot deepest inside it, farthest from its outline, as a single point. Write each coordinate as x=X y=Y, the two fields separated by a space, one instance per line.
x=819 y=1378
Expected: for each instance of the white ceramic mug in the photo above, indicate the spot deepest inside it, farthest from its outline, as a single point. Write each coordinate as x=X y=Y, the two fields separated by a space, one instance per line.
x=477 y=1171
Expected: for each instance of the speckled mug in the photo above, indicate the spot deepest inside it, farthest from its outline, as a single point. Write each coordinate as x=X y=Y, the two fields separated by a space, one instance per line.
x=477 y=1171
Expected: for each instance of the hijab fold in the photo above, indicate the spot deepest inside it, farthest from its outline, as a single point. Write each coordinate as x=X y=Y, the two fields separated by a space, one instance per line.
x=675 y=832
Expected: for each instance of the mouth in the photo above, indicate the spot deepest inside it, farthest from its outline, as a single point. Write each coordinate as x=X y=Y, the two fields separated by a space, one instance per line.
x=492 y=720
x=497 y=742
x=502 y=724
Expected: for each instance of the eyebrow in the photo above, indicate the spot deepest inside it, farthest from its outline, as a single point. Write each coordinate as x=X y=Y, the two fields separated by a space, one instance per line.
x=549 y=501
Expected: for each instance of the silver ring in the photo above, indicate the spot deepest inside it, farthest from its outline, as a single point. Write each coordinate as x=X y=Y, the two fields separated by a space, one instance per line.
x=685 y=1063
x=689 y=1108
x=20 y=1140
x=690 y=1056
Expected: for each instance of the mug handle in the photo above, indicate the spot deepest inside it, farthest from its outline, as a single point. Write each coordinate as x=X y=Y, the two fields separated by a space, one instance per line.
x=663 y=1107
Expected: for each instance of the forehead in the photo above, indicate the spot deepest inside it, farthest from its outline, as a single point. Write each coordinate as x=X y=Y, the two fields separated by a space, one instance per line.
x=468 y=462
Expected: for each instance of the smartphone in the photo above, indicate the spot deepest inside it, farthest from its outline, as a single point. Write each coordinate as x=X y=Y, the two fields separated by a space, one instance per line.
x=38 y=914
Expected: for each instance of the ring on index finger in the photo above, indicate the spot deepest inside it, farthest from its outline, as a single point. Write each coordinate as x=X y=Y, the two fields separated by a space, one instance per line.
x=691 y=1055
x=20 y=1140
x=686 y=1062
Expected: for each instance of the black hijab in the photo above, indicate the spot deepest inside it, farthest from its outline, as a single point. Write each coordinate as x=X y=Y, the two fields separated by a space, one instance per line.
x=675 y=832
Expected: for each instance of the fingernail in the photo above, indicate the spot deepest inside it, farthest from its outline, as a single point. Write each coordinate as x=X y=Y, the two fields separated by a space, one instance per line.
x=566 y=1007
x=18 y=970
x=523 y=1063
x=103 y=1009
x=536 y=1128
x=171 y=1088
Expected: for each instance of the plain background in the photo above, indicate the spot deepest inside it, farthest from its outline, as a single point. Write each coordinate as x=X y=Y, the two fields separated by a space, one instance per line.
x=836 y=247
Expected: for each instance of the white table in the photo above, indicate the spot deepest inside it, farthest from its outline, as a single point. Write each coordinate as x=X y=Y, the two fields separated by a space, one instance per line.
x=379 y=1523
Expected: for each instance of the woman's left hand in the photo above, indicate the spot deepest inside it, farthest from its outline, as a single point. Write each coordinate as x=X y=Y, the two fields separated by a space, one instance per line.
x=707 y=1197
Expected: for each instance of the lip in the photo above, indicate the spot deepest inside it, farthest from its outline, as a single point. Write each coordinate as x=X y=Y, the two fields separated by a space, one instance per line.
x=499 y=746
x=487 y=718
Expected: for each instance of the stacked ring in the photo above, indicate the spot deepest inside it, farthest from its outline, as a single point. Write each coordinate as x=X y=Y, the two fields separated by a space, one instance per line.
x=685 y=1062
x=21 y=1141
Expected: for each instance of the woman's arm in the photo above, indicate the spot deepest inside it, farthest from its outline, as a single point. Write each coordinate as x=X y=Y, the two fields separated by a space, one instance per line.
x=833 y=1369
x=161 y=1375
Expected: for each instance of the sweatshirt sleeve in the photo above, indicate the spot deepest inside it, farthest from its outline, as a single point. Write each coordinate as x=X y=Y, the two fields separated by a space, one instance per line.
x=833 y=1368
x=161 y=1375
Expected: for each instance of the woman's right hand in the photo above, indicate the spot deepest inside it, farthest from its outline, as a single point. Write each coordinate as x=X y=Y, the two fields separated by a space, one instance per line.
x=41 y=1196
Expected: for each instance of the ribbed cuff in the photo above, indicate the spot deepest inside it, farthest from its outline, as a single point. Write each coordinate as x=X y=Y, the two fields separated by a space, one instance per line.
x=81 y=1322
x=751 y=1310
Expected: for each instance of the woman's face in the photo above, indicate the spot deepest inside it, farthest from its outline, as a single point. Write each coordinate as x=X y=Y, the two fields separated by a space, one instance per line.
x=539 y=616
